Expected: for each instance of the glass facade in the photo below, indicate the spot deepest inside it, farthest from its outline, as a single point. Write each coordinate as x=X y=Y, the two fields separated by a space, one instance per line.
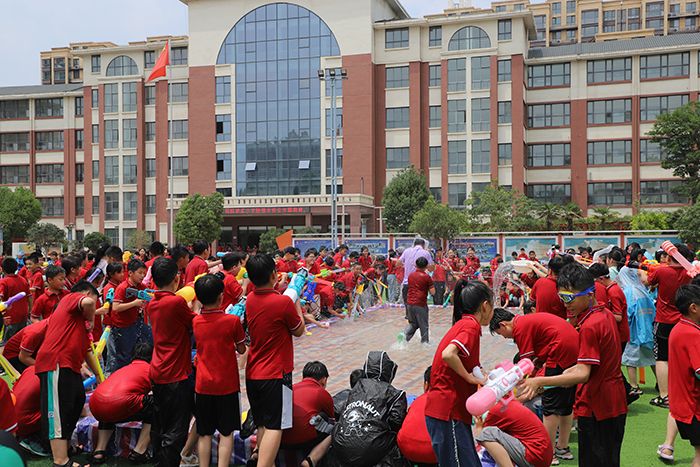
x=277 y=50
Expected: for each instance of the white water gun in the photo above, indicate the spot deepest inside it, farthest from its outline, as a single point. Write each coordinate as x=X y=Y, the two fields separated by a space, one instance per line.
x=296 y=284
x=502 y=380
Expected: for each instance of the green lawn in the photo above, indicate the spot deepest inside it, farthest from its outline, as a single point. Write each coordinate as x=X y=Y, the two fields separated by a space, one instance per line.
x=645 y=430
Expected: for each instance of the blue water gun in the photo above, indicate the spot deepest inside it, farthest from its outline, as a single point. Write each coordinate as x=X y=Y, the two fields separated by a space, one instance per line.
x=310 y=292
x=238 y=309
x=145 y=295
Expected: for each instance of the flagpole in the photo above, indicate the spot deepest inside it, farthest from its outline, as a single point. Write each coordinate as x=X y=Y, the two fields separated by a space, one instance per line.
x=171 y=168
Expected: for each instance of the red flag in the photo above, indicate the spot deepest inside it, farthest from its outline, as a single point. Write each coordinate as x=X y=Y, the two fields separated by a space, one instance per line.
x=161 y=63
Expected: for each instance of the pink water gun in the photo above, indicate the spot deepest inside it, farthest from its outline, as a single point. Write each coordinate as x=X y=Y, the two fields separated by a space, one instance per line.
x=502 y=380
x=671 y=249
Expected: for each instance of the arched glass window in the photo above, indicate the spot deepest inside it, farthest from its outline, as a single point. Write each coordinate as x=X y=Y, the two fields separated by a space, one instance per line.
x=469 y=37
x=122 y=66
x=277 y=50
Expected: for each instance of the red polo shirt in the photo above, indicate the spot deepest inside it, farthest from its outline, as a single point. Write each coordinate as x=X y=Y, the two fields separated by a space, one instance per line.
x=287 y=266
x=217 y=335
x=36 y=282
x=27 y=391
x=194 y=268
x=419 y=284
x=326 y=297
x=683 y=368
x=338 y=259
x=365 y=261
x=471 y=267
x=440 y=272
x=232 y=291
x=107 y=319
x=47 y=302
x=350 y=281
x=28 y=339
x=617 y=304
x=309 y=399
x=544 y=293
x=529 y=280
x=121 y=395
x=124 y=319
x=171 y=320
x=8 y=416
x=449 y=392
x=669 y=279
x=10 y=286
x=413 y=437
x=549 y=338
x=603 y=395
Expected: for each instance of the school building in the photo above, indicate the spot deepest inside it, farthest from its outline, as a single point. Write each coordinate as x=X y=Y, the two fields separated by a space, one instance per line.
x=552 y=99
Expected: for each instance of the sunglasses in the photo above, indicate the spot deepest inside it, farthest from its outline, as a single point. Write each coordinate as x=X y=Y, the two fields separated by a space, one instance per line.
x=568 y=297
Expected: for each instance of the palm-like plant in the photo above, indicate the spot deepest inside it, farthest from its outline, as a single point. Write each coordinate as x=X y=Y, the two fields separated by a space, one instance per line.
x=570 y=212
x=549 y=213
x=605 y=215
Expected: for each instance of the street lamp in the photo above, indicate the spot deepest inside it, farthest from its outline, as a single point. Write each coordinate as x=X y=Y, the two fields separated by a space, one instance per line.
x=70 y=236
x=331 y=75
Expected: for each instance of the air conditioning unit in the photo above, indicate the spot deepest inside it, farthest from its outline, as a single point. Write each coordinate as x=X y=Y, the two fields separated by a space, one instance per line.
x=690 y=29
x=672 y=14
x=673 y=29
x=556 y=41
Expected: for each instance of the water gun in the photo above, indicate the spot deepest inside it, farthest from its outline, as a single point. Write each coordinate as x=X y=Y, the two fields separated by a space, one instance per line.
x=238 y=309
x=646 y=265
x=187 y=292
x=95 y=274
x=145 y=295
x=5 y=305
x=447 y=300
x=327 y=272
x=90 y=381
x=100 y=374
x=501 y=382
x=310 y=292
x=109 y=298
x=9 y=369
x=296 y=284
x=103 y=341
x=671 y=249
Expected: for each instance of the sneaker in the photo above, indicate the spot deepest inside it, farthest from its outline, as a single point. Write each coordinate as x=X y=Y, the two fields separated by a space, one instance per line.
x=564 y=453
x=555 y=461
x=33 y=445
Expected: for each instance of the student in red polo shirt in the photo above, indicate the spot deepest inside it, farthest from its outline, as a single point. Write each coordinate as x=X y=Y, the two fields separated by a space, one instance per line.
x=440 y=276
x=10 y=286
x=35 y=276
x=329 y=266
x=552 y=342
x=171 y=319
x=217 y=391
x=413 y=438
x=72 y=267
x=365 y=258
x=199 y=264
x=8 y=416
x=233 y=291
x=22 y=348
x=27 y=391
x=544 y=292
x=287 y=263
x=601 y=406
x=340 y=255
x=181 y=256
x=452 y=380
x=311 y=264
x=272 y=321
x=49 y=298
x=684 y=368
x=420 y=285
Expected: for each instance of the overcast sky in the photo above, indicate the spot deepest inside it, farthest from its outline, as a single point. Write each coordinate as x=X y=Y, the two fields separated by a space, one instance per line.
x=32 y=26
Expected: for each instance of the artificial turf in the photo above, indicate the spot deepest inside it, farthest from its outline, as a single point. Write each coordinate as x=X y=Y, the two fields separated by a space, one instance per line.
x=645 y=430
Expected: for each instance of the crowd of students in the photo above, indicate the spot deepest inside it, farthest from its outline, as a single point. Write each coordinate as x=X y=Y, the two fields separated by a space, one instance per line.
x=579 y=326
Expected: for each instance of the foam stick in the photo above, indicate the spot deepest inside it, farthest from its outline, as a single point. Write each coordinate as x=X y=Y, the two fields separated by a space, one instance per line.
x=94 y=275
x=447 y=300
x=5 y=305
x=9 y=369
x=103 y=340
x=100 y=373
x=671 y=249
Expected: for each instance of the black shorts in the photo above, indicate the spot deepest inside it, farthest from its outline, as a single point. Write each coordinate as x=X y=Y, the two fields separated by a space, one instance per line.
x=690 y=431
x=271 y=402
x=558 y=401
x=661 y=333
x=144 y=415
x=62 y=401
x=221 y=413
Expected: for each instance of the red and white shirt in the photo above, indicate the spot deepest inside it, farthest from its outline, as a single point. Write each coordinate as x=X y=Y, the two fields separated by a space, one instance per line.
x=683 y=371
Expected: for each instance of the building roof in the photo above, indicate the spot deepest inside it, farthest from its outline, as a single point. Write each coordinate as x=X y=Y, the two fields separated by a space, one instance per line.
x=43 y=89
x=615 y=46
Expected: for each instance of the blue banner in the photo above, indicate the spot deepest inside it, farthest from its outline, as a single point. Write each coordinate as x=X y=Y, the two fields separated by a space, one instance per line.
x=408 y=243
x=484 y=248
x=540 y=245
x=651 y=243
x=377 y=246
x=305 y=243
x=596 y=243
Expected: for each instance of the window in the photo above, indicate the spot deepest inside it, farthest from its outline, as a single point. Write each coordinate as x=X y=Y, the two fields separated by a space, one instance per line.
x=150 y=204
x=180 y=166
x=150 y=168
x=633 y=13
x=655 y=9
x=615 y=69
x=129 y=97
x=80 y=172
x=49 y=141
x=179 y=129
x=500 y=8
x=481 y=156
x=111 y=98
x=179 y=92
x=457 y=116
x=178 y=56
x=610 y=194
x=556 y=8
x=223 y=89
x=609 y=15
x=481 y=72
x=518 y=7
x=504 y=112
x=16 y=109
x=548 y=115
x=479 y=187
x=571 y=35
x=95 y=170
x=435 y=157
x=338 y=164
x=674 y=9
x=571 y=6
x=556 y=22
x=112 y=207
x=122 y=66
x=96 y=205
x=49 y=107
x=129 y=132
x=397 y=117
x=149 y=59
x=457 y=157
x=609 y=152
x=661 y=66
x=469 y=37
x=150 y=95
x=397 y=158
x=223 y=127
x=541 y=22
x=338 y=122
x=651 y=152
x=556 y=36
x=49 y=173
x=505 y=154
x=611 y=111
x=95 y=133
x=650 y=107
x=79 y=139
x=79 y=107
x=657 y=192
x=571 y=20
x=14 y=142
x=559 y=194
x=129 y=170
x=504 y=30
x=481 y=114
x=436 y=193
x=690 y=23
x=130 y=206
x=397 y=77
x=549 y=155
x=111 y=134
x=457 y=74
x=435 y=117
x=95 y=98
x=435 y=36
x=589 y=17
x=589 y=31
x=435 y=75
x=558 y=74
x=113 y=235
x=690 y=7
x=96 y=60
x=504 y=70
x=457 y=193
x=223 y=166
x=150 y=131
x=112 y=170
x=396 y=38
x=51 y=207
x=14 y=174
x=80 y=206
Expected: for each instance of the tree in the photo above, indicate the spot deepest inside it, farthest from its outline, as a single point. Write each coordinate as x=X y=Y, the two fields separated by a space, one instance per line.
x=268 y=240
x=647 y=219
x=45 y=235
x=138 y=239
x=200 y=217
x=438 y=221
x=403 y=197
x=549 y=213
x=92 y=240
x=570 y=212
x=19 y=210
x=688 y=225
x=499 y=209
x=306 y=230
x=678 y=133
x=604 y=215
